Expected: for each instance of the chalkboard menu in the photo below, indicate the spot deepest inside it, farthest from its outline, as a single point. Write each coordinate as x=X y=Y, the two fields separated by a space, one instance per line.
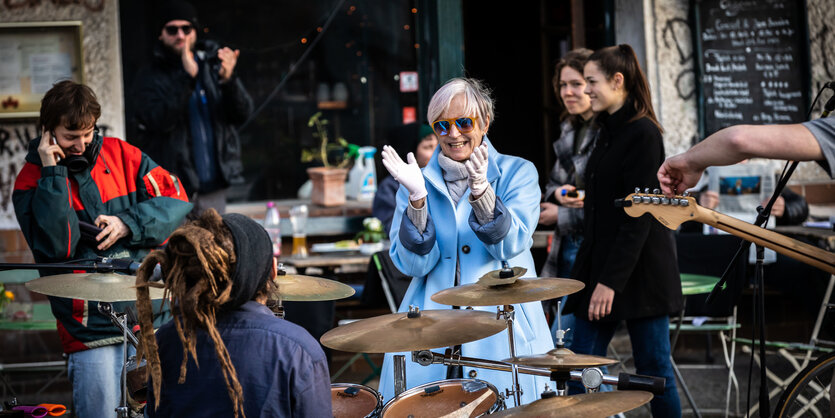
x=753 y=62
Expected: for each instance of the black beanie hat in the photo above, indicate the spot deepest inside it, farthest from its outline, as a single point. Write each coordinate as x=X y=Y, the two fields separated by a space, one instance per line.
x=177 y=10
x=254 y=251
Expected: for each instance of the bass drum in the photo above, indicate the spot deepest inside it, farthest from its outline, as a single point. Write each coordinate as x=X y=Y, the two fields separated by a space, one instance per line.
x=355 y=401
x=443 y=397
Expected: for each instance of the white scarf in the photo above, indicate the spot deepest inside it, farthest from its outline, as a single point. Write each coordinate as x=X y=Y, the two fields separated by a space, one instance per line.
x=455 y=176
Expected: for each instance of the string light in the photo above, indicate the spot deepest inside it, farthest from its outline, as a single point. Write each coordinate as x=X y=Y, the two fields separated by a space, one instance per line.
x=414 y=10
x=304 y=40
x=406 y=27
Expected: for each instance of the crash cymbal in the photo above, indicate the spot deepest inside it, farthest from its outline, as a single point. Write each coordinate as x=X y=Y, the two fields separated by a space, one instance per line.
x=587 y=405
x=426 y=330
x=561 y=359
x=298 y=288
x=520 y=291
x=102 y=287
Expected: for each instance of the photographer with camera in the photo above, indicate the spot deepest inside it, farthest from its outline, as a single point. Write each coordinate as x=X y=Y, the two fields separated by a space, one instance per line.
x=187 y=103
x=82 y=196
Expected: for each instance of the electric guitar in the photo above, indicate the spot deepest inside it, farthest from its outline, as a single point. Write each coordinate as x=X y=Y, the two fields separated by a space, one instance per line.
x=674 y=211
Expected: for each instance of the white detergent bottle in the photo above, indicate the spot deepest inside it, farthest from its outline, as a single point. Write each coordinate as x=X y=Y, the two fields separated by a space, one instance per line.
x=368 y=178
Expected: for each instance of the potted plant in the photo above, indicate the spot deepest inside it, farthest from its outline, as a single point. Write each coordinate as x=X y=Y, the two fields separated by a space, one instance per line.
x=371 y=236
x=329 y=180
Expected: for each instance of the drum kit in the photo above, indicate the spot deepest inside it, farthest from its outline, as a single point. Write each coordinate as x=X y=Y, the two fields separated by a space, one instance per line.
x=421 y=331
x=417 y=332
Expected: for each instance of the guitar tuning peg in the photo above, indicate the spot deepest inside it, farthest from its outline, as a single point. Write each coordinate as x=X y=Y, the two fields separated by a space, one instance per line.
x=686 y=194
x=646 y=190
x=665 y=201
x=656 y=200
x=684 y=202
x=637 y=190
x=674 y=201
x=656 y=191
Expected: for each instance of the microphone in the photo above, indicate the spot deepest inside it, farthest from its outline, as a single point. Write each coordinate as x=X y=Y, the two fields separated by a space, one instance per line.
x=126 y=265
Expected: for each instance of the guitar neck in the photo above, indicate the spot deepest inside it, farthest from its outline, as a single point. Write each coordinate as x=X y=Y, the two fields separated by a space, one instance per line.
x=790 y=247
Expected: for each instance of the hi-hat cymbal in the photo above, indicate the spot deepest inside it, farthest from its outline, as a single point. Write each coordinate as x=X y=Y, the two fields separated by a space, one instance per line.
x=560 y=359
x=102 y=287
x=598 y=404
x=298 y=288
x=520 y=291
x=398 y=332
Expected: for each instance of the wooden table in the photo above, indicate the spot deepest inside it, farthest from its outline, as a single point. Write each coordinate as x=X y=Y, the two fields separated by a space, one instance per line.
x=327 y=262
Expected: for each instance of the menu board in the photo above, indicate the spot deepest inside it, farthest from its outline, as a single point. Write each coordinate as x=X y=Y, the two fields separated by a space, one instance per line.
x=33 y=57
x=753 y=62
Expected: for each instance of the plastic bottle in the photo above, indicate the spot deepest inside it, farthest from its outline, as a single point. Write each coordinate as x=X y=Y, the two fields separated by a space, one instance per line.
x=368 y=182
x=271 y=224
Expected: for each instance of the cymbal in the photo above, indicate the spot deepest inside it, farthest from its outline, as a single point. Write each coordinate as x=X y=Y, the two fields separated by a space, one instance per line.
x=597 y=404
x=102 y=287
x=561 y=359
x=520 y=291
x=298 y=288
x=398 y=332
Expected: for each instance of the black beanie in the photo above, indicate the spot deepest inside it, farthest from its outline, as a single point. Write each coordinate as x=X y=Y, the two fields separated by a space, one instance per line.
x=177 y=10
x=254 y=251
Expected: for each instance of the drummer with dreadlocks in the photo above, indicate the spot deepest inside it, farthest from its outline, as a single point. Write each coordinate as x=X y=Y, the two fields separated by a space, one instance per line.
x=225 y=353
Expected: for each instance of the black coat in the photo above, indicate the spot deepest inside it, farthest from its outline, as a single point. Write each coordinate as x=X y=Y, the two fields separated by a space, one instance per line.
x=161 y=95
x=634 y=256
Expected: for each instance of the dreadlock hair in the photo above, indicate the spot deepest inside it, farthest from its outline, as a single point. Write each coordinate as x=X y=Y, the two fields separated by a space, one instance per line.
x=196 y=263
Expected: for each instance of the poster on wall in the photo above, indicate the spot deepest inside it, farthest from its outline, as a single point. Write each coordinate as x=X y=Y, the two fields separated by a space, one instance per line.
x=33 y=57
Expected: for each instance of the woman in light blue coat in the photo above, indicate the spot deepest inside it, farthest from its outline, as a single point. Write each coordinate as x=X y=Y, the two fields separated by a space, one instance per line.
x=467 y=211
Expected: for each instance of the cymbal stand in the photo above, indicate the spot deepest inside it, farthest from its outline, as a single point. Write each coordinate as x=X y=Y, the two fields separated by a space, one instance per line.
x=120 y=320
x=591 y=377
x=509 y=315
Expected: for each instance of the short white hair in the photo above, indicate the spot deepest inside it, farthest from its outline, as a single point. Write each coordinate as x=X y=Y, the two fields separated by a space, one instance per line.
x=476 y=95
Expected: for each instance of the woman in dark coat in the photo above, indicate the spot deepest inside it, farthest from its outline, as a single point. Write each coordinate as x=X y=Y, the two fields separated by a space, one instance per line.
x=627 y=264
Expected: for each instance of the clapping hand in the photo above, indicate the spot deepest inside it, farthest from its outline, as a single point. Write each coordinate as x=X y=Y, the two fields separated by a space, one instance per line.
x=477 y=169
x=408 y=175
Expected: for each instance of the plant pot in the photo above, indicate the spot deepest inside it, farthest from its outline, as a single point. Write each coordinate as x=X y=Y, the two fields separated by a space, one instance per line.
x=328 y=185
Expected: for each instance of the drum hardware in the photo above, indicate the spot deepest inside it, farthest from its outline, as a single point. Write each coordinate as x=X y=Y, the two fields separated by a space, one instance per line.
x=399 y=374
x=120 y=320
x=623 y=381
x=509 y=314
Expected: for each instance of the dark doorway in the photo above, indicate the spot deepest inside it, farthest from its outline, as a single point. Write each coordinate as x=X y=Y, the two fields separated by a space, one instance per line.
x=513 y=49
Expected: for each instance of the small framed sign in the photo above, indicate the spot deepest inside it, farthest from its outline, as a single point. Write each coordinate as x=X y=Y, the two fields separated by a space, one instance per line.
x=33 y=57
x=408 y=81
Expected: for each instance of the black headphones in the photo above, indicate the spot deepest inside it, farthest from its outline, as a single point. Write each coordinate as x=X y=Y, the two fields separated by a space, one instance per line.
x=79 y=163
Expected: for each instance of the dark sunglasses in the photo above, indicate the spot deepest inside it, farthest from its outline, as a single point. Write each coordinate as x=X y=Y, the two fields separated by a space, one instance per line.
x=464 y=125
x=172 y=30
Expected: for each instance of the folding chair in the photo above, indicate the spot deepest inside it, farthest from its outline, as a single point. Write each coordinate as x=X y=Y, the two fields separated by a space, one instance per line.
x=701 y=257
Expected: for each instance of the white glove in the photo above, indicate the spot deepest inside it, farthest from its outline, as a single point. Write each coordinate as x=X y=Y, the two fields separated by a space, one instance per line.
x=477 y=169
x=408 y=175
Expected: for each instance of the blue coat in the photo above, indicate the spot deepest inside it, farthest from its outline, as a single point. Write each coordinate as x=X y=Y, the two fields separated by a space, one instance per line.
x=431 y=258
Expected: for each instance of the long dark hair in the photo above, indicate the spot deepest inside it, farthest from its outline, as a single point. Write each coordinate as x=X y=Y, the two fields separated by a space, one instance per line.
x=622 y=59
x=575 y=59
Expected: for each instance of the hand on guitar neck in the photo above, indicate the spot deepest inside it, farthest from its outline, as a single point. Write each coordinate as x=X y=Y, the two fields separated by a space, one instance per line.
x=673 y=211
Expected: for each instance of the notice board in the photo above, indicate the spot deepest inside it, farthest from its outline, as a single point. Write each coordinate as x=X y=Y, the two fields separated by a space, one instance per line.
x=753 y=62
x=33 y=57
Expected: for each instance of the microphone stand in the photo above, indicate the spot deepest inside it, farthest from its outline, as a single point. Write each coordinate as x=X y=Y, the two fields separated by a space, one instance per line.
x=759 y=289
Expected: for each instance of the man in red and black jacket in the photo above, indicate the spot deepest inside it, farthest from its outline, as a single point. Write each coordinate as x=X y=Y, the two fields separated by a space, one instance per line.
x=74 y=175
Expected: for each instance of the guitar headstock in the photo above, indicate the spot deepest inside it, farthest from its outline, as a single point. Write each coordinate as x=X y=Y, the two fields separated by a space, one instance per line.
x=670 y=211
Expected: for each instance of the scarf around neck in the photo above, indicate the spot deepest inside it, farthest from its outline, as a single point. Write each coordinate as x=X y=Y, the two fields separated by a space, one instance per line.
x=455 y=176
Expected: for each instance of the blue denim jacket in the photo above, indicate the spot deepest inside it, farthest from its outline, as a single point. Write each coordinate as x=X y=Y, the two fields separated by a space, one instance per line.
x=282 y=369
